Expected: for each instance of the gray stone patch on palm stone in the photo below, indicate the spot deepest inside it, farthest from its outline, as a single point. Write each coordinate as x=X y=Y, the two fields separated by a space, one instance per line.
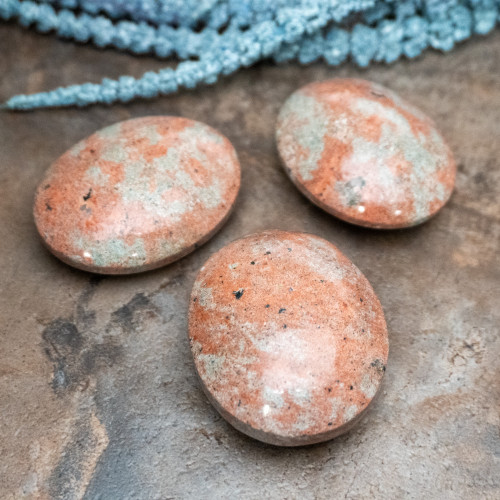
x=309 y=135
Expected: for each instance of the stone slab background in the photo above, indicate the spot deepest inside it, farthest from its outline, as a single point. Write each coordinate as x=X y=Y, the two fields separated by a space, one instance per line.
x=98 y=393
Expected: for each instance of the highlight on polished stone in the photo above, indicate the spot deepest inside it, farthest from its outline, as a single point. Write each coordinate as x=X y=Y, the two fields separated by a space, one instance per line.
x=288 y=337
x=137 y=195
x=363 y=154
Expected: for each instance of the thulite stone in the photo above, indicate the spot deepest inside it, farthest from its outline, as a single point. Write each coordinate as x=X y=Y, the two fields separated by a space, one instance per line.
x=137 y=195
x=361 y=153
x=288 y=337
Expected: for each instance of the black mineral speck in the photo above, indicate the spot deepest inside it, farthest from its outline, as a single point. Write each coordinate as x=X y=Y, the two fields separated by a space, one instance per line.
x=88 y=195
x=284 y=326
x=267 y=306
x=378 y=364
x=238 y=293
x=268 y=253
x=48 y=207
x=351 y=388
x=282 y=310
x=253 y=263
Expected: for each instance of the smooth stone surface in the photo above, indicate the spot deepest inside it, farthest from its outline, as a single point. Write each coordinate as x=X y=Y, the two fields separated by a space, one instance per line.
x=137 y=195
x=288 y=337
x=361 y=153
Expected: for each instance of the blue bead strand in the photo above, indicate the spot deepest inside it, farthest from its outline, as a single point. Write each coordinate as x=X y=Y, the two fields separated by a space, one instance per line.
x=311 y=31
x=186 y=13
x=166 y=41
x=258 y=42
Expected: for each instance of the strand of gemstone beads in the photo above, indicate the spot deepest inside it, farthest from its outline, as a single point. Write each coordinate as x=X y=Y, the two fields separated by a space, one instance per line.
x=216 y=14
x=384 y=40
x=258 y=42
x=388 y=40
x=139 y=38
x=187 y=13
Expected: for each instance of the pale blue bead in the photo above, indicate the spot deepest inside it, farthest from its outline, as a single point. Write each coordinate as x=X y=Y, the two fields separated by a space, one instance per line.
x=364 y=44
x=148 y=85
x=230 y=62
x=416 y=32
x=266 y=32
x=187 y=74
x=337 y=46
x=81 y=30
x=211 y=69
x=103 y=32
x=126 y=88
x=46 y=19
x=390 y=35
x=28 y=13
x=441 y=35
x=88 y=92
x=311 y=48
x=484 y=20
x=168 y=83
x=109 y=90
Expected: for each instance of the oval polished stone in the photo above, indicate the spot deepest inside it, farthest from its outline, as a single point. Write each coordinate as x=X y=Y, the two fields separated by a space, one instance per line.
x=288 y=337
x=361 y=153
x=137 y=195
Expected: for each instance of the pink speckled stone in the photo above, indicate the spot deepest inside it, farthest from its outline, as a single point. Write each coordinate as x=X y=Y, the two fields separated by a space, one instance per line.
x=288 y=337
x=361 y=153
x=137 y=195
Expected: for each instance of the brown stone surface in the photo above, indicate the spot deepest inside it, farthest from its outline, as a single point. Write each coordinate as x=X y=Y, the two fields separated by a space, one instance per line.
x=363 y=154
x=137 y=195
x=98 y=392
x=288 y=337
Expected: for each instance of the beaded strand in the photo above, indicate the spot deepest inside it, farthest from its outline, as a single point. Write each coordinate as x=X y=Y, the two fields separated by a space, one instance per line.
x=308 y=32
x=256 y=43
x=187 y=13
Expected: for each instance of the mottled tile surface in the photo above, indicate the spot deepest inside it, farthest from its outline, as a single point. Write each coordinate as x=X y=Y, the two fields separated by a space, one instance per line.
x=98 y=391
x=288 y=337
x=137 y=195
x=363 y=154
